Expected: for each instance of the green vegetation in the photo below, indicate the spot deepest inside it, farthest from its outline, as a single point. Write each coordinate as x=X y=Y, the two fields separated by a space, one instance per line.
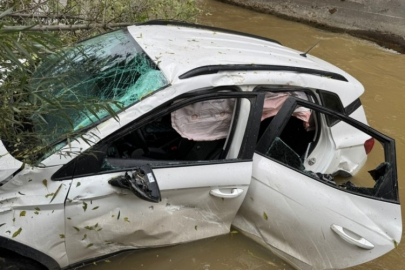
x=34 y=36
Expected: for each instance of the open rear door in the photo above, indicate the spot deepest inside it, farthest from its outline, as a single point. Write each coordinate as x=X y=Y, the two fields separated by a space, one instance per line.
x=329 y=218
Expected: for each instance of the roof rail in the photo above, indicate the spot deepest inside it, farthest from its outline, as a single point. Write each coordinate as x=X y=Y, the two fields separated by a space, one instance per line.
x=205 y=27
x=204 y=70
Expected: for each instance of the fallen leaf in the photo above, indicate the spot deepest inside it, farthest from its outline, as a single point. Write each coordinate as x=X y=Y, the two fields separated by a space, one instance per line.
x=265 y=216
x=94 y=208
x=195 y=227
x=37 y=208
x=126 y=219
x=56 y=193
x=78 y=184
x=22 y=213
x=1 y=225
x=17 y=232
x=84 y=237
x=107 y=261
x=77 y=229
x=119 y=214
x=89 y=245
x=99 y=229
x=62 y=236
x=84 y=206
x=234 y=232
x=36 y=212
x=45 y=182
x=21 y=193
x=49 y=195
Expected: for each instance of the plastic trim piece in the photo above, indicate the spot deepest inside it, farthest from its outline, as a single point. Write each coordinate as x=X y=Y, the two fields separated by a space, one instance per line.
x=29 y=252
x=205 y=27
x=352 y=107
x=212 y=69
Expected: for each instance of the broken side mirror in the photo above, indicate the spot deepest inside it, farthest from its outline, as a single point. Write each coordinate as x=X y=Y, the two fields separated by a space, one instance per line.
x=141 y=182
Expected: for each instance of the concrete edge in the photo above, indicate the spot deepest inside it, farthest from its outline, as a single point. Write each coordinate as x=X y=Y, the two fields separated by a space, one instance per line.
x=384 y=39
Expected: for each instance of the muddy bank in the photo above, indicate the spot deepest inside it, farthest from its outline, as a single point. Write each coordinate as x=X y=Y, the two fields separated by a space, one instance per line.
x=378 y=21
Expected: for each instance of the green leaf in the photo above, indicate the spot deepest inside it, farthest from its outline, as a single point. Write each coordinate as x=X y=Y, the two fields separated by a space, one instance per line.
x=22 y=213
x=45 y=182
x=94 y=208
x=84 y=237
x=84 y=206
x=56 y=193
x=126 y=219
x=62 y=236
x=49 y=195
x=78 y=184
x=37 y=208
x=77 y=229
x=89 y=245
x=16 y=233
x=195 y=227
x=265 y=216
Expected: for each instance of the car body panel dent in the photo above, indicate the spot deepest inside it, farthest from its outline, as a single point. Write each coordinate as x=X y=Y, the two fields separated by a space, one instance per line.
x=29 y=197
x=110 y=219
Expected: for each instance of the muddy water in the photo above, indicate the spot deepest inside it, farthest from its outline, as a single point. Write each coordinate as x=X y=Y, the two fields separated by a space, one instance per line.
x=381 y=72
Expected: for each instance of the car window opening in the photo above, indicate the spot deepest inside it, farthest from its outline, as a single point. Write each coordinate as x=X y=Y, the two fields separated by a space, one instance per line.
x=300 y=132
x=198 y=132
x=360 y=168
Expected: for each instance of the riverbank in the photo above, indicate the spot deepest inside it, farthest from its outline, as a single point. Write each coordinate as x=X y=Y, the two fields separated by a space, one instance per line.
x=379 y=21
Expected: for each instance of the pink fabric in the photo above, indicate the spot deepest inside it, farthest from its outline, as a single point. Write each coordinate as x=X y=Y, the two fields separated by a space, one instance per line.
x=274 y=101
x=204 y=121
x=210 y=120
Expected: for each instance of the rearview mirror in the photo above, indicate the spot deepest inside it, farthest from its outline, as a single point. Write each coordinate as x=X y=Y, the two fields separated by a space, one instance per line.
x=141 y=182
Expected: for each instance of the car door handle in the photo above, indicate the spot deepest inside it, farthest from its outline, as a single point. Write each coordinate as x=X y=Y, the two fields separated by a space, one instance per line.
x=236 y=192
x=351 y=237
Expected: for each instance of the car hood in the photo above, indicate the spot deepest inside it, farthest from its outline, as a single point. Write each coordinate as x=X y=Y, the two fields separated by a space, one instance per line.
x=8 y=164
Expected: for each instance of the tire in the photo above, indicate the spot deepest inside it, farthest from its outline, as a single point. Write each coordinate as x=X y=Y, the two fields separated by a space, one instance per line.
x=12 y=261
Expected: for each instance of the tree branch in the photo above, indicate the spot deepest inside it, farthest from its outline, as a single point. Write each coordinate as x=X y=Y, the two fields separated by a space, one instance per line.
x=70 y=27
x=45 y=16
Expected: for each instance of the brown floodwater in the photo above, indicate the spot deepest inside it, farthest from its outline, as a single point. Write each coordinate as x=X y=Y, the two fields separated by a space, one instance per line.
x=382 y=73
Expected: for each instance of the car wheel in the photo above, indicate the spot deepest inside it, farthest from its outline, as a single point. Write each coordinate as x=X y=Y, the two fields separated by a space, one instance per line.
x=12 y=261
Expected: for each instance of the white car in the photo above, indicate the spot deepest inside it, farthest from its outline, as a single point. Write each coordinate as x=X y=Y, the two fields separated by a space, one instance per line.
x=219 y=128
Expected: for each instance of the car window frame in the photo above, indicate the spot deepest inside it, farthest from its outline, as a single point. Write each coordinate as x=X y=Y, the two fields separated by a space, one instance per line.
x=277 y=126
x=67 y=171
x=309 y=92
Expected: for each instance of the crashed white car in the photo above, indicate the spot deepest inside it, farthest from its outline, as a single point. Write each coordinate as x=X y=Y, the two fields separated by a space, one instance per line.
x=219 y=128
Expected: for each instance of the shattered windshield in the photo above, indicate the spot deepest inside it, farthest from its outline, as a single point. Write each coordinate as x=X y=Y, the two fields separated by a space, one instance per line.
x=110 y=67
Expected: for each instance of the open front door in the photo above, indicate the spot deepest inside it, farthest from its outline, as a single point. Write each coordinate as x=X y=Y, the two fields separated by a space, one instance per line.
x=325 y=207
x=152 y=187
